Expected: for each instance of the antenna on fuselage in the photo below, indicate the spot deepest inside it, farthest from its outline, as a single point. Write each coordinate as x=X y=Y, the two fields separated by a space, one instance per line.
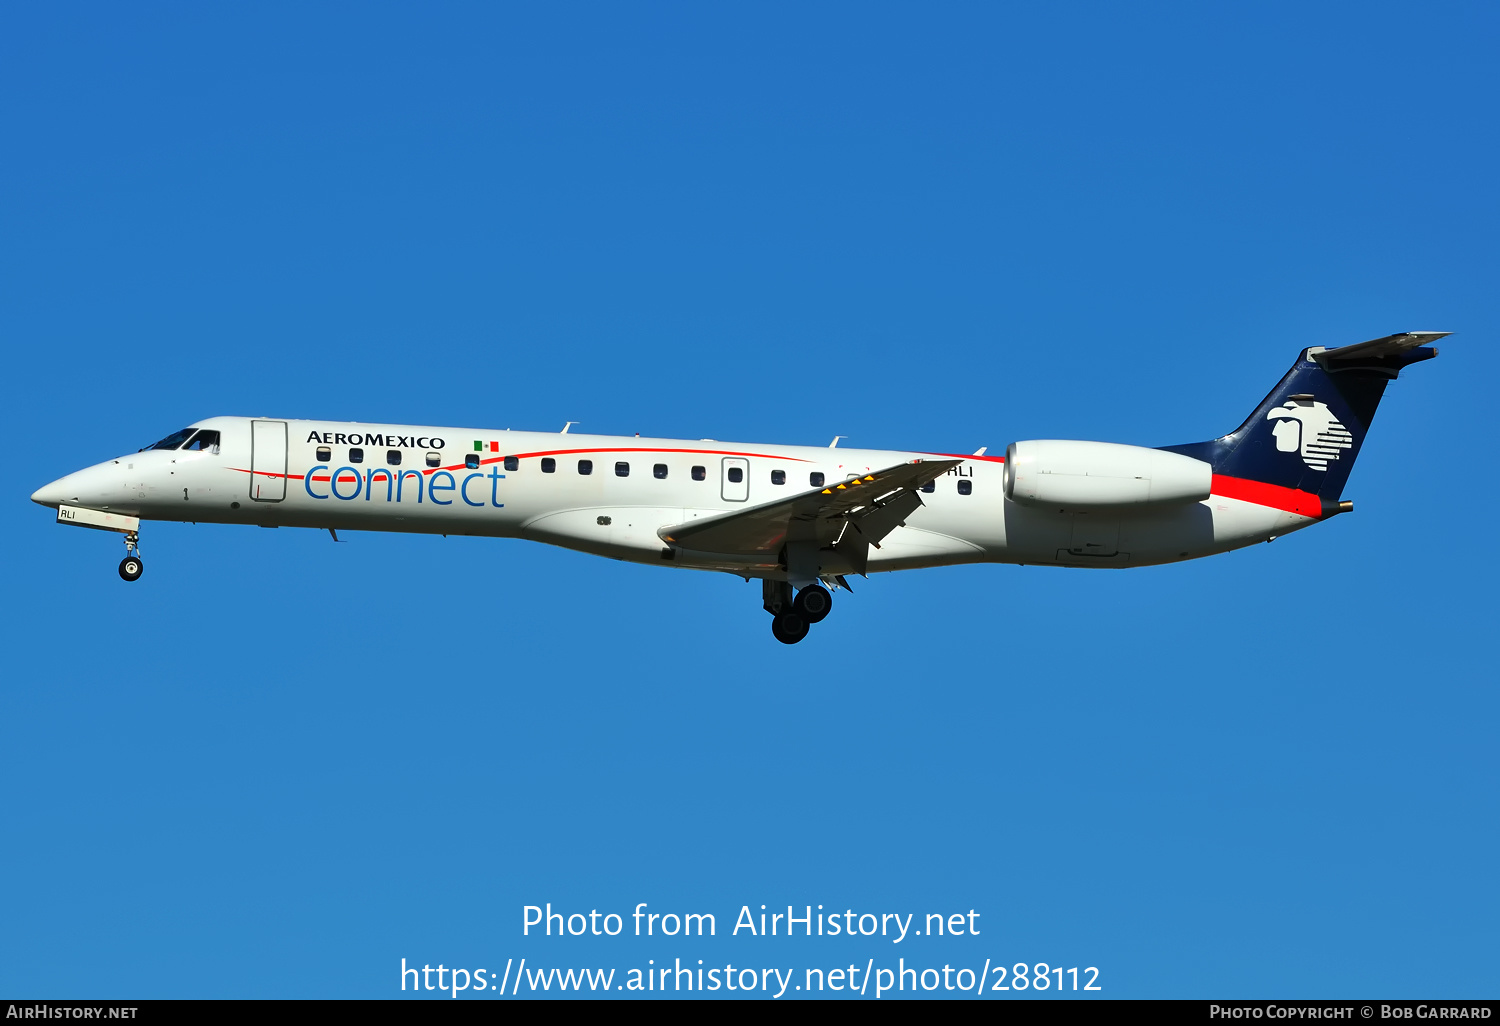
x=835 y=443
x=566 y=426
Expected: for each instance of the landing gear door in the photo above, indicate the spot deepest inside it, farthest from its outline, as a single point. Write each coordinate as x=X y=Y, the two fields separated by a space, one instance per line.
x=735 y=480
x=267 y=460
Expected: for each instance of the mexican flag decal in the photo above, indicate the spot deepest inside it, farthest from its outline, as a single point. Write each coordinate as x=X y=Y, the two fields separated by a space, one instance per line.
x=479 y=446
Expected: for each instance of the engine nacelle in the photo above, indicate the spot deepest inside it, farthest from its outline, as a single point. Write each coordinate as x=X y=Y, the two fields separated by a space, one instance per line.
x=1085 y=475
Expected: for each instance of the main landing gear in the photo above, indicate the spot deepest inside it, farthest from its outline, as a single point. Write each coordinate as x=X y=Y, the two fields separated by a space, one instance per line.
x=791 y=618
x=813 y=603
x=789 y=628
x=131 y=566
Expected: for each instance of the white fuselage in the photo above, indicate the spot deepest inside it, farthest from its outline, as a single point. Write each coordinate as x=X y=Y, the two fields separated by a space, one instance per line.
x=344 y=476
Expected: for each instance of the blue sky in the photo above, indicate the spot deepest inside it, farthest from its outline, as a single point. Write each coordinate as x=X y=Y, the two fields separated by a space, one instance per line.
x=276 y=766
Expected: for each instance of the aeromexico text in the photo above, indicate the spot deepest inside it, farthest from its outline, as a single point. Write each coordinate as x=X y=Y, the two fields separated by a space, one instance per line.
x=767 y=923
x=366 y=438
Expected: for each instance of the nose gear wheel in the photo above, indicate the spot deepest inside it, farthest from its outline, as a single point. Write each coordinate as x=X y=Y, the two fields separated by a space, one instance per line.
x=131 y=566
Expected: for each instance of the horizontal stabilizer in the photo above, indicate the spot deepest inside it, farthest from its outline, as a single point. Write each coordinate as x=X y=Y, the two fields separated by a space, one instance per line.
x=1378 y=348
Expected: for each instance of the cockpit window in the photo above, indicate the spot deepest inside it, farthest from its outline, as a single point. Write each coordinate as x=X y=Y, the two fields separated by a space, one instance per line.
x=172 y=441
x=203 y=440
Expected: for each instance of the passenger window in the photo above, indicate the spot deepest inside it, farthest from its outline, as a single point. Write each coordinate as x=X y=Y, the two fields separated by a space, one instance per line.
x=204 y=440
x=699 y=474
x=356 y=455
x=471 y=460
x=585 y=467
x=930 y=487
x=393 y=457
x=965 y=487
x=815 y=479
x=622 y=470
x=549 y=465
x=512 y=463
x=659 y=471
x=778 y=477
x=324 y=454
x=736 y=475
x=434 y=459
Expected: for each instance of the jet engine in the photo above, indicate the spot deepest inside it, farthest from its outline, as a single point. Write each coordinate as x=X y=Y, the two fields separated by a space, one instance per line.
x=1086 y=475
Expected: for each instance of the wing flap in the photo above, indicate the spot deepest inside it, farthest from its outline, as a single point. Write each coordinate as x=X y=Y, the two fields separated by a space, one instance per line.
x=872 y=505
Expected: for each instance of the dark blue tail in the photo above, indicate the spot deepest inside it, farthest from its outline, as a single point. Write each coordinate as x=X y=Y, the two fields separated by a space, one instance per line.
x=1306 y=434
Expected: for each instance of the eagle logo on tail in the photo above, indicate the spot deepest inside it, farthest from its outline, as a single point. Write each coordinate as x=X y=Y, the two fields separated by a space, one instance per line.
x=1306 y=426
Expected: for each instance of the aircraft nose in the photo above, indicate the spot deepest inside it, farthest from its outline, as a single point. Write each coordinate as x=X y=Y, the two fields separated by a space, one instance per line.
x=52 y=494
x=87 y=487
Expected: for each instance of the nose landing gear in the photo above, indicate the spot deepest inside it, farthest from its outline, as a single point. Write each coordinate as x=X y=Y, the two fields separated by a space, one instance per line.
x=792 y=618
x=131 y=566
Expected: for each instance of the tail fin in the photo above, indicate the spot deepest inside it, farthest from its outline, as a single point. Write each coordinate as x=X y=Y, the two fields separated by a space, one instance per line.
x=1305 y=435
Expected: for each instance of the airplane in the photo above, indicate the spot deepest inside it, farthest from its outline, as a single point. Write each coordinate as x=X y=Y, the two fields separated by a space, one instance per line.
x=801 y=519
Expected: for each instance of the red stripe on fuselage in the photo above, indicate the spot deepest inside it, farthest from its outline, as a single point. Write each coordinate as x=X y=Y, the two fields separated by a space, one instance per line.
x=969 y=456
x=1292 y=500
x=534 y=455
x=705 y=452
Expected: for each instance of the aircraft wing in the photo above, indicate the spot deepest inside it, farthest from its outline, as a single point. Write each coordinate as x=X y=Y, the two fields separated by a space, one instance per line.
x=1390 y=345
x=863 y=510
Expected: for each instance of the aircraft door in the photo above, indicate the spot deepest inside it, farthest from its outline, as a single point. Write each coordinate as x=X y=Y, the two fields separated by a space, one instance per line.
x=267 y=460
x=1095 y=534
x=735 y=479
